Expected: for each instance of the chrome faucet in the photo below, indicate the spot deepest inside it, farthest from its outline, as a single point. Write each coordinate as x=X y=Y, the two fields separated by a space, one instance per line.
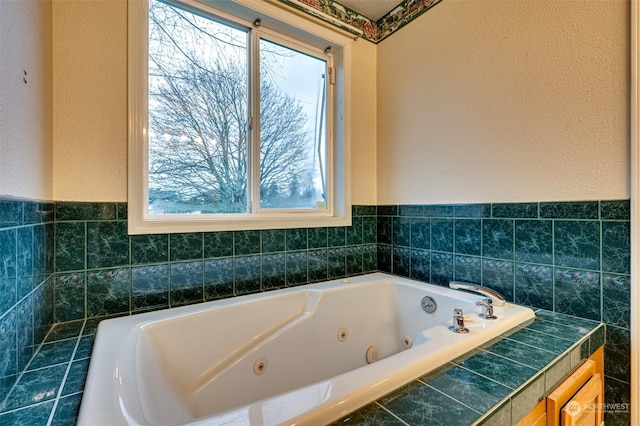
x=487 y=309
x=458 y=322
x=497 y=299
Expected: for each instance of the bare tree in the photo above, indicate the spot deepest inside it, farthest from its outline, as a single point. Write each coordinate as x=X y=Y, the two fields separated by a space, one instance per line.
x=198 y=119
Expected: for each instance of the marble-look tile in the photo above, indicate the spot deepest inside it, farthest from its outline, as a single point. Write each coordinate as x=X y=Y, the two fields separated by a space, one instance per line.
x=318 y=265
x=543 y=341
x=65 y=330
x=246 y=242
x=337 y=235
x=402 y=231
x=442 y=235
x=616 y=296
x=8 y=290
x=122 y=211
x=370 y=415
x=617 y=353
x=472 y=210
x=35 y=386
x=33 y=415
x=108 y=292
x=369 y=230
x=246 y=272
x=218 y=244
x=149 y=287
x=502 y=370
x=468 y=269
x=149 y=249
x=384 y=257
x=389 y=210
x=369 y=258
x=441 y=268
x=578 y=293
x=419 y=404
x=74 y=382
x=318 y=237
x=420 y=233
x=337 y=262
x=514 y=210
x=8 y=361
x=384 y=233
x=84 y=348
x=421 y=265
x=25 y=252
x=468 y=237
x=24 y=332
x=41 y=249
x=500 y=417
x=497 y=238
x=353 y=260
x=616 y=209
x=296 y=239
x=567 y=320
x=527 y=398
x=70 y=246
x=273 y=270
x=185 y=283
x=273 y=240
x=555 y=374
x=443 y=210
x=534 y=241
x=67 y=411
x=296 y=267
x=16 y=290
x=570 y=210
x=464 y=385
x=8 y=253
x=354 y=232
x=534 y=285
x=73 y=211
x=107 y=244
x=560 y=329
x=38 y=212
x=616 y=247
x=499 y=276
x=597 y=339
x=359 y=210
x=401 y=261
x=522 y=353
x=70 y=294
x=579 y=353
x=617 y=395
x=577 y=244
x=411 y=210
x=187 y=246
x=48 y=354
x=43 y=308
x=11 y=213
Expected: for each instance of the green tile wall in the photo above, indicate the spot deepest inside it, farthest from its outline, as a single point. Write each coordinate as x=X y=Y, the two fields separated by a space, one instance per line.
x=568 y=257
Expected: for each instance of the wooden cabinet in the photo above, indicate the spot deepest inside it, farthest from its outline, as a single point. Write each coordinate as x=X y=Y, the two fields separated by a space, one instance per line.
x=578 y=401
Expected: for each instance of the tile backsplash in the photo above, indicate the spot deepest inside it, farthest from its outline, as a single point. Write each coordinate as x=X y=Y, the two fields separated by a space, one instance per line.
x=569 y=257
x=68 y=261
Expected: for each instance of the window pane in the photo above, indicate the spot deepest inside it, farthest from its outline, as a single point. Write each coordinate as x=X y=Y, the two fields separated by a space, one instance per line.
x=197 y=113
x=292 y=128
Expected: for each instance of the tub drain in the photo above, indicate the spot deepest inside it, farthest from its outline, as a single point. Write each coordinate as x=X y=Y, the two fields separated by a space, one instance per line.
x=372 y=354
x=260 y=366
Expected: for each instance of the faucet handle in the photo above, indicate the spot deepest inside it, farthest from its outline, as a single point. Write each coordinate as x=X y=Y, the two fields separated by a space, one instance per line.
x=487 y=309
x=458 y=322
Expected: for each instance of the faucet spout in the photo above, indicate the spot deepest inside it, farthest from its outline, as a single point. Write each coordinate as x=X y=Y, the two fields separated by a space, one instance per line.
x=497 y=298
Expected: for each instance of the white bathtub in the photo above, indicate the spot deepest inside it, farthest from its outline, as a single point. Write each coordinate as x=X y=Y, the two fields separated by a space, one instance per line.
x=291 y=356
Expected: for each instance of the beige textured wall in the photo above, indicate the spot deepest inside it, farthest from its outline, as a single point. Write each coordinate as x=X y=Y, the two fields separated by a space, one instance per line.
x=500 y=100
x=26 y=139
x=90 y=100
x=90 y=115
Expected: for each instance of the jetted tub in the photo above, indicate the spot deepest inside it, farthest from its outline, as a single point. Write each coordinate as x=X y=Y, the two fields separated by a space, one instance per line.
x=305 y=355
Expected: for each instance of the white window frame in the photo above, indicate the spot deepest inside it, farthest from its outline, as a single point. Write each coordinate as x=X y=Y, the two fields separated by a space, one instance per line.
x=276 y=21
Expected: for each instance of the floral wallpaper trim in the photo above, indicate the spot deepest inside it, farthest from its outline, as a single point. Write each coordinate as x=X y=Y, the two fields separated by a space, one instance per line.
x=374 y=31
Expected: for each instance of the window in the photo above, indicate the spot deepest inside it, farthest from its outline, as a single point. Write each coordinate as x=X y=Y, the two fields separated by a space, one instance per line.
x=238 y=119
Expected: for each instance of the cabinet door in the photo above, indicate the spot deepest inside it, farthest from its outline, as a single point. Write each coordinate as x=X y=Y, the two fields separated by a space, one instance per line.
x=585 y=408
x=567 y=390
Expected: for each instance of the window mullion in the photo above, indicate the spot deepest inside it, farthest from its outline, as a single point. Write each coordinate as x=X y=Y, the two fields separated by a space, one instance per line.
x=254 y=116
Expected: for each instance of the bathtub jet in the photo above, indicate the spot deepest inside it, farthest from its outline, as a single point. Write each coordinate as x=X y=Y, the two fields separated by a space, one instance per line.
x=305 y=355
